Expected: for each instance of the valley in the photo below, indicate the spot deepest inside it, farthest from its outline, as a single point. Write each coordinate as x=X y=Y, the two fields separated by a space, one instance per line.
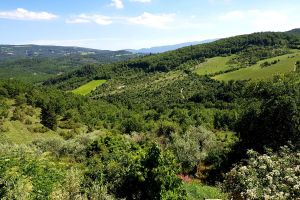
x=192 y=123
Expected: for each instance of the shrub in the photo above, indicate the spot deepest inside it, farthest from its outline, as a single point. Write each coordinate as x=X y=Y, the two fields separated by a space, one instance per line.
x=193 y=147
x=28 y=122
x=267 y=176
x=18 y=114
x=133 y=171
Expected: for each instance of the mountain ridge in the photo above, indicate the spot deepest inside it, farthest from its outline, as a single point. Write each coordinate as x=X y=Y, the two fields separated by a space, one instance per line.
x=165 y=48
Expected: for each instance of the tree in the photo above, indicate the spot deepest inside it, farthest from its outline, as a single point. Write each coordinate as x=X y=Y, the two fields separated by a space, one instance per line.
x=134 y=171
x=49 y=118
x=193 y=147
x=267 y=176
x=273 y=124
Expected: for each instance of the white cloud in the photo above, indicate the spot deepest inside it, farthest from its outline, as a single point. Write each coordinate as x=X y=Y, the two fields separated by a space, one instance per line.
x=141 y=1
x=118 y=4
x=146 y=19
x=23 y=14
x=152 y=20
x=84 y=18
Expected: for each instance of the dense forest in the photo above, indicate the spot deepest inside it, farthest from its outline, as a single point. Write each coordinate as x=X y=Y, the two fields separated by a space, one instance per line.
x=155 y=129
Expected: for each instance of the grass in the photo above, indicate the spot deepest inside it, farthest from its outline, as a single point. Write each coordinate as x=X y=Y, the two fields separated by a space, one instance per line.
x=18 y=132
x=214 y=65
x=198 y=191
x=88 y=87
x=256 y=72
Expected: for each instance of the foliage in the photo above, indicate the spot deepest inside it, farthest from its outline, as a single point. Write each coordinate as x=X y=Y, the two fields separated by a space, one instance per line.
x=267 y=176
x=133 y=171
x=193 y=147
x=49 y=118
x=275 y=120
x=26 y=173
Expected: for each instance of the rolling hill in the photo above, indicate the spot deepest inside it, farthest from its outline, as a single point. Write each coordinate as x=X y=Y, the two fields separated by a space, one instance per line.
x=155 y=126
x=224 y=56
x=36 y=63
x=32 y=51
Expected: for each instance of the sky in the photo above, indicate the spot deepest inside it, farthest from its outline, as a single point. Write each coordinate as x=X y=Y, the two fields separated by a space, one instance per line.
x=134 y=24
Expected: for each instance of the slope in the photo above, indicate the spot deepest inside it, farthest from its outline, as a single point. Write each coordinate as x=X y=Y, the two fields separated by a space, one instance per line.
x=283 y=64
x=36 y=63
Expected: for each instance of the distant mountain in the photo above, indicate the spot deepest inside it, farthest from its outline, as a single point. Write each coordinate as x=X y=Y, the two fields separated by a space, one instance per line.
x=296 y=31
x=36 y=63
x=161 y=49
x=31 y=51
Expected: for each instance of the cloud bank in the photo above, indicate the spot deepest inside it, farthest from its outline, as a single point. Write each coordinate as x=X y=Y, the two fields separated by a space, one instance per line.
x=23 y=14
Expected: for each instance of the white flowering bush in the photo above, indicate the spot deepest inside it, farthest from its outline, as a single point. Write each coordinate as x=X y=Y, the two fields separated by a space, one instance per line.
x=268 y=176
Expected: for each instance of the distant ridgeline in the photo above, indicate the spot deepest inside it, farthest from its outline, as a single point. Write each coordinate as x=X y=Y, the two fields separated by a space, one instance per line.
x=37 y=63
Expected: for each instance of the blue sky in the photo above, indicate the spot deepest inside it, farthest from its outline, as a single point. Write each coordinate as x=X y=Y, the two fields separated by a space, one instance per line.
x=123 y=24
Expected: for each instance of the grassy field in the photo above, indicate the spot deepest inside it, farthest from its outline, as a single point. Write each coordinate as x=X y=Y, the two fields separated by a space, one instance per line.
x=197 y=191
x=214 y=65
x=256 y=72
x=17 y=132
x=89 y=87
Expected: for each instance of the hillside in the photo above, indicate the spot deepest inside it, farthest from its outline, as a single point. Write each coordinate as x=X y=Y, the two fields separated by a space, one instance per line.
x=31 y=51
x=192 y=123
x=37 y=63
x=238 y=52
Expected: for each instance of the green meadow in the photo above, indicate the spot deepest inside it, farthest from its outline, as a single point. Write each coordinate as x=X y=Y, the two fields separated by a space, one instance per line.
x=285 y=65
x=214 y=65
x=198 y=191
x=88 y=87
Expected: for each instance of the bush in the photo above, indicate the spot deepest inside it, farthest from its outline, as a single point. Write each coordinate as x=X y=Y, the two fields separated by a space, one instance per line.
x=268 y=176
x=40 y=129
x=28 y=122
x=25 y=173
x=133 y=171
x=18 y=114
x=193 y=147
x=4 y=110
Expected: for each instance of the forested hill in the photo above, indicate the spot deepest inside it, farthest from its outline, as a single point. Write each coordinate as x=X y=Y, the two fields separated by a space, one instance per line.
x=31 y=51
x=295 y=31
x=36 y=63
x=173 y=59
x=243 y=50
x=161 y=126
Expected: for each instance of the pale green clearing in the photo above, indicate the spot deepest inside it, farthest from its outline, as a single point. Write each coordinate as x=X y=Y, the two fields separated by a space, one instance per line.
x=17 y=132
x=88 y=87
x=256 y=72
x=214 y=65
x=198 y=191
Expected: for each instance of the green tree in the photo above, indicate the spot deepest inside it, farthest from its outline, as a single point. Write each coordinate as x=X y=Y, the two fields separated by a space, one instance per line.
x=192 y=147
x=49 y=118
